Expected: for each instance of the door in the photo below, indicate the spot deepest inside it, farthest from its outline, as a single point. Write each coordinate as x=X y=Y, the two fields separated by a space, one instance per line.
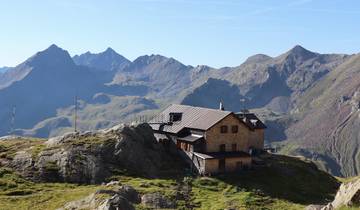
x=222 y=165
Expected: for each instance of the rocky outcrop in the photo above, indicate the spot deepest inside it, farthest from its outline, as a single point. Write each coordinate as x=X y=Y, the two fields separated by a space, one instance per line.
x=157 y=201
x=347 y=195
x=123 y=199
x=91 y=157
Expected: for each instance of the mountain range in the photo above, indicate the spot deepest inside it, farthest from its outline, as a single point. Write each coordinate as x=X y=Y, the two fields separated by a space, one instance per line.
x=4 y=69
x=309 y=101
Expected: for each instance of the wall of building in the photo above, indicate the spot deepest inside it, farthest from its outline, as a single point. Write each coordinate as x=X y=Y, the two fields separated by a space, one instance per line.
x=231 y=164
x=256 y=139
x=214 y=138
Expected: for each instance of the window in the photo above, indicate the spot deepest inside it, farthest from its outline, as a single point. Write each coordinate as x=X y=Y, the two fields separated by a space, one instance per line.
x=175 y=116
x=234 y=129
x=224 y=129
x=234 y=147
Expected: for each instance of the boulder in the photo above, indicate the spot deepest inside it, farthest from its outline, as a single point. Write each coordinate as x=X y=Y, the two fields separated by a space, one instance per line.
x=22 y=163
x=116 y=202
x=314 y=207
x=157 y=201
x=348 y=194
x=100 y=200
x=129 y=193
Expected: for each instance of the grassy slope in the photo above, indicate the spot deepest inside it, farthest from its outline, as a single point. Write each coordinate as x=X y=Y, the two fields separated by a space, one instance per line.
x=207 y=193
x=282 y=183
x=17 y=193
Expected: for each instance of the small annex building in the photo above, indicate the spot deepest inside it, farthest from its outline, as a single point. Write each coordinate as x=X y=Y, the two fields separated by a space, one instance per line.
x=211 y=140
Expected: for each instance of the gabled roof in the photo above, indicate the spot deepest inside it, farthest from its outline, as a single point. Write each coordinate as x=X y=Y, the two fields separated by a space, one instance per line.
x=192 y=117
x=251 y=120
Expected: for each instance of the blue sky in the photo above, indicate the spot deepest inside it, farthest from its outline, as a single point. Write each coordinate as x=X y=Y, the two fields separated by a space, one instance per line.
x=217 y=33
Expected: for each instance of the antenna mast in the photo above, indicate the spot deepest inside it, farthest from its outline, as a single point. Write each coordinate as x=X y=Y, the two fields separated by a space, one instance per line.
x=243 y=104
x=75 y=114
x=12 y=126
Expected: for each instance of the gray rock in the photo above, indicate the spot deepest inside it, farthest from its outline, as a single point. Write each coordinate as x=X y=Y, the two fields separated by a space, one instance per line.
x=58 y=140
x=116 y=202
x=320 y=207
x=348 y=194
x=98 y=202
x=90 y=157
x=23 y=163
x=157 y=201
x=129 y=193
x=112 y=183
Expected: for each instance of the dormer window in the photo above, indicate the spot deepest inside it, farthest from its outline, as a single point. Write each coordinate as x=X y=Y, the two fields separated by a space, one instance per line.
x=175 y=116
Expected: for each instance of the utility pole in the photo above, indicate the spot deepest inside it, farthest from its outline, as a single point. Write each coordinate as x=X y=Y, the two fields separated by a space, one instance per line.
x=75 y=114
x=12 y=123
x=243 y=104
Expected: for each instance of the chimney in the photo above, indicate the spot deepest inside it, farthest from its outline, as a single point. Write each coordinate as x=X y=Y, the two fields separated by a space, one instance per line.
x=221 y=107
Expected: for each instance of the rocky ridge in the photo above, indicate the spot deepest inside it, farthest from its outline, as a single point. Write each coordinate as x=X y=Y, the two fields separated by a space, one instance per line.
x=91 y=157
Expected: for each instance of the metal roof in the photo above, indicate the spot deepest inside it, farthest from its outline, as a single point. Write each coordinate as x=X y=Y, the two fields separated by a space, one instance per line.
x=192 y=117
x=218 y=155
x=191 y=138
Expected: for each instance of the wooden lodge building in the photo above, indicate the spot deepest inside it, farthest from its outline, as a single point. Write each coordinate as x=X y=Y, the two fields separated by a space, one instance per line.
x=212 y=140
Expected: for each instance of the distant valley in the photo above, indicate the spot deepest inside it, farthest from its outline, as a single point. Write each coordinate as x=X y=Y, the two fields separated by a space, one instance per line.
x=309 y=101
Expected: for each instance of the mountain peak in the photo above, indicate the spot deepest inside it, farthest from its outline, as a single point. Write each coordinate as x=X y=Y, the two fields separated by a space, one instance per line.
x=150 y=58
x=51 y=56
x=298 y=53
x=110 y=50
x=299 y=50
x=257 y=58
x=53 y=51
x=53 y=46
x=108 y=60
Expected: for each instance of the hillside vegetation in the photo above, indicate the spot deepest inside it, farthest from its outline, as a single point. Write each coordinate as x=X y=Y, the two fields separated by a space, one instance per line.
x=281 y=182
x=300 y=184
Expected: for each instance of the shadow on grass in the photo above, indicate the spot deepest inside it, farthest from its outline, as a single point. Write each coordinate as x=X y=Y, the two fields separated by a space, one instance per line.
x=286 y=178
